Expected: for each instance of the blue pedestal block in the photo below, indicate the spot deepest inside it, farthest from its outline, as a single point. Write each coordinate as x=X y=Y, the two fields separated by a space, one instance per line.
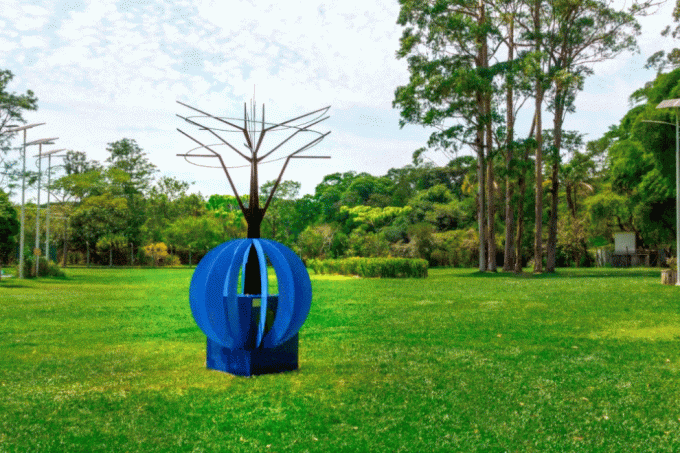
x=243 y=362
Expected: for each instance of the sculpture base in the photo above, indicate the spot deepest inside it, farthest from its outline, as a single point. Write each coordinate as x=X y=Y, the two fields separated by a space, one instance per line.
x=243 y=362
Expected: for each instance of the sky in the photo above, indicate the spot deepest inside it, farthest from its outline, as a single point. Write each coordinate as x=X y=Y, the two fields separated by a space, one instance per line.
x=104 y=70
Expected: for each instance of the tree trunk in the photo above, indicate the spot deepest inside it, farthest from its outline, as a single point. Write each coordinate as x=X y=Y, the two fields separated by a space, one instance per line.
x=520 y=227
x=509 y=252
x=554 y=193
x=522 y=183
x=88 y=253
x=571 y=202
x=481 y=201
x=491 y=211
x=538 y=213
x=552 y=223
x=65 y=263
x=481 y=159
x=110 y=256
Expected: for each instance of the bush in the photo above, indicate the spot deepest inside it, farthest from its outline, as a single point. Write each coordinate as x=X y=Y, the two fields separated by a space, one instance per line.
x=50 y=269
x=157 y=252
x=457 y=248
x=45 y=268
x=372 y=267
x=29 y=267
x=672 y=263
x=75 y=258
x=171 y=260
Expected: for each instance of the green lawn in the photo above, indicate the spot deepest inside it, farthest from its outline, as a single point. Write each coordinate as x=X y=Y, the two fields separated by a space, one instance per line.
x=586 y=360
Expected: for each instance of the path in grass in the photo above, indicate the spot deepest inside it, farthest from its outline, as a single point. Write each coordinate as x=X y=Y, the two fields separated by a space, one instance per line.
x=111 y=360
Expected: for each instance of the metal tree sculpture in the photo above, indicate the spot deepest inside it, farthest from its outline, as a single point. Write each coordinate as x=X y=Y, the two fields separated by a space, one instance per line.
x=254 y=138
x=251 y=331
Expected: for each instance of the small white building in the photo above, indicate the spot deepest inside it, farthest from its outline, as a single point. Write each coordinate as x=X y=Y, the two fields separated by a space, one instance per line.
x=624 y=243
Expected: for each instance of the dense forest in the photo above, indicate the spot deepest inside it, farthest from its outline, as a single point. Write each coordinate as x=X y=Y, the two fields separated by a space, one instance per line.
x=543 y=198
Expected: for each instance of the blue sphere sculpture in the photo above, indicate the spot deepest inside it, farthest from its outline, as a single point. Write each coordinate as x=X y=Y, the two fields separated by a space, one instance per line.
x=250 y=331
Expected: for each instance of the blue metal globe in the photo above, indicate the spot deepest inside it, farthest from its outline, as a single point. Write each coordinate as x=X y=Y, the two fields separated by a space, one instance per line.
x=231 y=318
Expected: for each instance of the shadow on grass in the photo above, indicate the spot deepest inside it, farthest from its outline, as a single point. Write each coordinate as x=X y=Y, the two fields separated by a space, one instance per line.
x=19 y=283
x=571 y=273
x=13 y=284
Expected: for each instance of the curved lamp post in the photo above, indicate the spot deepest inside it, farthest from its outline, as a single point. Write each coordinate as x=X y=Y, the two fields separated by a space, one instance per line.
x=49 y=155
x=39 y=142
x=675 y=103
x=23 y=194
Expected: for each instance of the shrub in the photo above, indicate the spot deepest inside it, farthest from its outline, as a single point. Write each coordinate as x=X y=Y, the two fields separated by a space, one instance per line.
x=29 y=267
x=372 y=267
x=171 y=260
x=50 y=269
x=458 y=248
x=75 y=258
x=45 y=268
x=315 y=242
x=367 y=244
x=157 y=252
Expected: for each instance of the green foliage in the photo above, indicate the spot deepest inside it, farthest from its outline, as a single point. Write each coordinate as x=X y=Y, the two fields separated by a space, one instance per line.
x=226 y=209
x=660 y=60
x=99 y=215
x=196 y=234
x=110 y=242
x=371 y=244
x=9 y=228
x=572 y=242
x=316 y=242
x=171 y=261
x=12 y=108
x=46 y=268
x=457 y=248
x=640 y=180
x=368 y=218
x=77 y=186
x=372 y=267
x=76 y=162
x=279 y=223
x=127 y=156
x=449 y=77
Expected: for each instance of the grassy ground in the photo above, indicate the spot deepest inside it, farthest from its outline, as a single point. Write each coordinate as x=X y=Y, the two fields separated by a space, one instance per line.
x=586 y=360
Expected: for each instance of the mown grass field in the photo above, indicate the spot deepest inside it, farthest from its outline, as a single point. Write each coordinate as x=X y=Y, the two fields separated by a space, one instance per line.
x=586 y=360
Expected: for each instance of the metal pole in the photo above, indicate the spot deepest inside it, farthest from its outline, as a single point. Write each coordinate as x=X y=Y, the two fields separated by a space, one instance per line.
x=37 y=214
x=47 y=221
x=23 y=211
x=677 y=199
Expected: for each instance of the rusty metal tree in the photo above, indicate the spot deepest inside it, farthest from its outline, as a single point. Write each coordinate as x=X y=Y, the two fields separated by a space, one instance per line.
x=254 y=131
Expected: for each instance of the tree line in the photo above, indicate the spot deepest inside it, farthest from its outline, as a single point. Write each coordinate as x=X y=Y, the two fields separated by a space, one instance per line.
x=542 y=198
x=473 y=67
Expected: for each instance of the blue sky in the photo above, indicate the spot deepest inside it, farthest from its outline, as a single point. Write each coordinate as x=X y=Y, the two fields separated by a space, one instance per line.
x=106 y=69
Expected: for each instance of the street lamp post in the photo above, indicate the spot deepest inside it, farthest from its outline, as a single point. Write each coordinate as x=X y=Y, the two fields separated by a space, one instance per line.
x=675 y=103
x=40 y=142
x=23 y=195
x=49 y=155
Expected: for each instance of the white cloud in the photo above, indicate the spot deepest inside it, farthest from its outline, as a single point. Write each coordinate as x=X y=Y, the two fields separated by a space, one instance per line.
x=28 y=42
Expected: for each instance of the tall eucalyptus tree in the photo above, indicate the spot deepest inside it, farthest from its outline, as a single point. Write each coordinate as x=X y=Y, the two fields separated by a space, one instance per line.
x=449 y=46
x=579 y=33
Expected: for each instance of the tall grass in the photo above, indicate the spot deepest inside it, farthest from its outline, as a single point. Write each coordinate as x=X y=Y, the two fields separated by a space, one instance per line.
x=111 y=360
